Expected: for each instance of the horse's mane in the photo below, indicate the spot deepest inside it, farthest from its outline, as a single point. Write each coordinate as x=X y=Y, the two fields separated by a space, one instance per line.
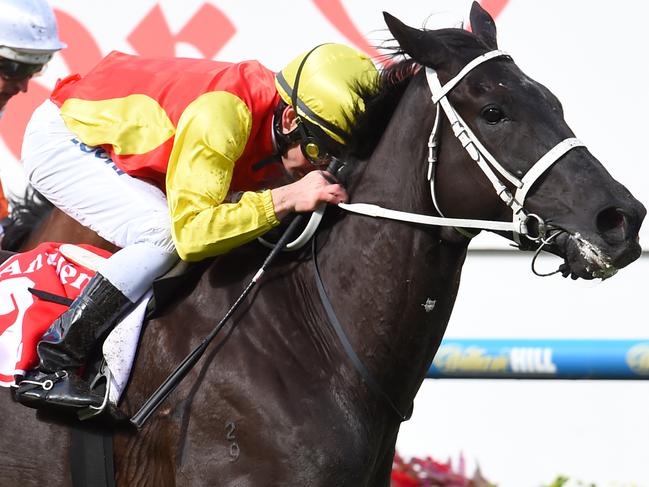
x=379 y=103
x=26 y=213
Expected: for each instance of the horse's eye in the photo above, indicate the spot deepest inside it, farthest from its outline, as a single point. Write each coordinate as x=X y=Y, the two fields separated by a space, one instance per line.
x=492 y=114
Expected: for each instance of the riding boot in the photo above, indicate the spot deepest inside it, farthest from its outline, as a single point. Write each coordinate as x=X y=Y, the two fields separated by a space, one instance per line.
x=65 y=347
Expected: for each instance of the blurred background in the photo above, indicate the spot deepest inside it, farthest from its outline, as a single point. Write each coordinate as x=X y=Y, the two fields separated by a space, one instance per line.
x=591 y=55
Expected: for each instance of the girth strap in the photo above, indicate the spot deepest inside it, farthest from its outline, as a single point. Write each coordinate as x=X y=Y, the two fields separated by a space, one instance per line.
x=344 y=340
x=91 y=457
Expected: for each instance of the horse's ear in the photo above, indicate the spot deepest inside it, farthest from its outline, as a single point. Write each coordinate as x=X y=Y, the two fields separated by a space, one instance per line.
x=418 y=44
x=483 y=25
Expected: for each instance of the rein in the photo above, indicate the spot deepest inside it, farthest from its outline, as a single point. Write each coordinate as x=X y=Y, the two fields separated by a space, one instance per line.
x=344 y=340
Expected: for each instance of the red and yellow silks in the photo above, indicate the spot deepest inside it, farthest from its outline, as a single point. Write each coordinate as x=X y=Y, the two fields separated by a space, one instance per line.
x=193 y=127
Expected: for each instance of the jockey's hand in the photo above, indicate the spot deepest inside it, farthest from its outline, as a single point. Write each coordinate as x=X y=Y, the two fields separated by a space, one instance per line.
x=307 y=193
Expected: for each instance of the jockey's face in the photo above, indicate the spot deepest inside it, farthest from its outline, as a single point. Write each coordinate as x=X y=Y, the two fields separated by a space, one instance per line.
x=13 y=79
x=294 y=161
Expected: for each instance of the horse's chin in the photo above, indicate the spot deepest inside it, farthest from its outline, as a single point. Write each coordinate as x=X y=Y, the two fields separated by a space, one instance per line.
x=584 y=260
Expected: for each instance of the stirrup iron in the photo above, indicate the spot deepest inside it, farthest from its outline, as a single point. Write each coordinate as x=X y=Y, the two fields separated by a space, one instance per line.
x=92 y=411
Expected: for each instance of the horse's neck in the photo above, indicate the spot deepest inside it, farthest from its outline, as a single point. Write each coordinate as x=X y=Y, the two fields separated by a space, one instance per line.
x=394 y=284
x=393 y=288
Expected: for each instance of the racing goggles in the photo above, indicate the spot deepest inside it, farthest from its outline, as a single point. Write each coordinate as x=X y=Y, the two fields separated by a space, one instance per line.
x=13 y=70
x=312 y=150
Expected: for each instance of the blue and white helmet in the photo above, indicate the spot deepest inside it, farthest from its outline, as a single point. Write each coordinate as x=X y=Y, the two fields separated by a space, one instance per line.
x=28 y=31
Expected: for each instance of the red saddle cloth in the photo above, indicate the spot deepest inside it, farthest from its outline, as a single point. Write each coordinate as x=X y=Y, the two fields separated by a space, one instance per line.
x=24 y=317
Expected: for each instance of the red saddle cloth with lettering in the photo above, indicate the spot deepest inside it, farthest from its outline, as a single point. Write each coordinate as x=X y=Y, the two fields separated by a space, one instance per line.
x=24 y=317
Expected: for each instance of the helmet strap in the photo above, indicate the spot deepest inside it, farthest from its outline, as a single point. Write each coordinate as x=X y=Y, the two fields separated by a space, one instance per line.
x=308 y=143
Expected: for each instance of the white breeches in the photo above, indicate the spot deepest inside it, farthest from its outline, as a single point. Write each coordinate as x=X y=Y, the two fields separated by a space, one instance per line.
x=84 y=182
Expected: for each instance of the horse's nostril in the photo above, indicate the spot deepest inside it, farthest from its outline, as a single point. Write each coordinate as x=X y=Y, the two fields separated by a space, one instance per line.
x=610 y=219
x=612 y=224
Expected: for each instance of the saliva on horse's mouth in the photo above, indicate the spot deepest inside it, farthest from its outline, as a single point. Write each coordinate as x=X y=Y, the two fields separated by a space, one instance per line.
x=595 y=263
x=602 y=274
x=581 y=258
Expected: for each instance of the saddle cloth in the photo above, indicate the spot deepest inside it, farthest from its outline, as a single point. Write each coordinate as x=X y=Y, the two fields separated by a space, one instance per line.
x=62 y=270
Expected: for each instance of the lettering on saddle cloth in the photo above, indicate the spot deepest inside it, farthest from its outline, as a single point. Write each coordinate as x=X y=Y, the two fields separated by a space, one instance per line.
x=24 y=317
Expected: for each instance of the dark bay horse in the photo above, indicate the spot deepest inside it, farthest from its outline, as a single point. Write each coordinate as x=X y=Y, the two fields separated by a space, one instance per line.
x=276 y=401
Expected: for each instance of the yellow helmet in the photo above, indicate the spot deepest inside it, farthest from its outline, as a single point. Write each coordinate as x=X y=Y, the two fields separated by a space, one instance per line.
x=327 y=79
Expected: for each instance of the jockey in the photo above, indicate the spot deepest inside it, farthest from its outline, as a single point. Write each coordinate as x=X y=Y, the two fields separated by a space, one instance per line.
x=28 y=39
x=148 y=153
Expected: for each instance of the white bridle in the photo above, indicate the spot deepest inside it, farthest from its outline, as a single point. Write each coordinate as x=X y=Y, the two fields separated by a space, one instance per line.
x=487 y=163
x=479 y=154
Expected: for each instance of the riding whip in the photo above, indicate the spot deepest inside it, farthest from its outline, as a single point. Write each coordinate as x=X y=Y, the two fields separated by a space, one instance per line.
x=174 y=379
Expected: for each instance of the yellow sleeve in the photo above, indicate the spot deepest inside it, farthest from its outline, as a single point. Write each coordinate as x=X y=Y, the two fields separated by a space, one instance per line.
x=211 y=135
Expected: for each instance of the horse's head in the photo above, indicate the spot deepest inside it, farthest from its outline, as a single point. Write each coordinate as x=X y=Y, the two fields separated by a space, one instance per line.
x=591 y=220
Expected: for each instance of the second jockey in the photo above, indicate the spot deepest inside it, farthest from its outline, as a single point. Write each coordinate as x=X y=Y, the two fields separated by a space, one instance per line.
x=28 y=40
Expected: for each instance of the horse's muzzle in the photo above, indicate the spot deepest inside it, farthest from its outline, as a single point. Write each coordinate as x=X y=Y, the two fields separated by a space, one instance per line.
x=619 y=229
x=610 y=243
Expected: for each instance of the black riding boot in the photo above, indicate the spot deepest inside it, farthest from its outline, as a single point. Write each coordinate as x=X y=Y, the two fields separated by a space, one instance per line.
x=65 y=346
